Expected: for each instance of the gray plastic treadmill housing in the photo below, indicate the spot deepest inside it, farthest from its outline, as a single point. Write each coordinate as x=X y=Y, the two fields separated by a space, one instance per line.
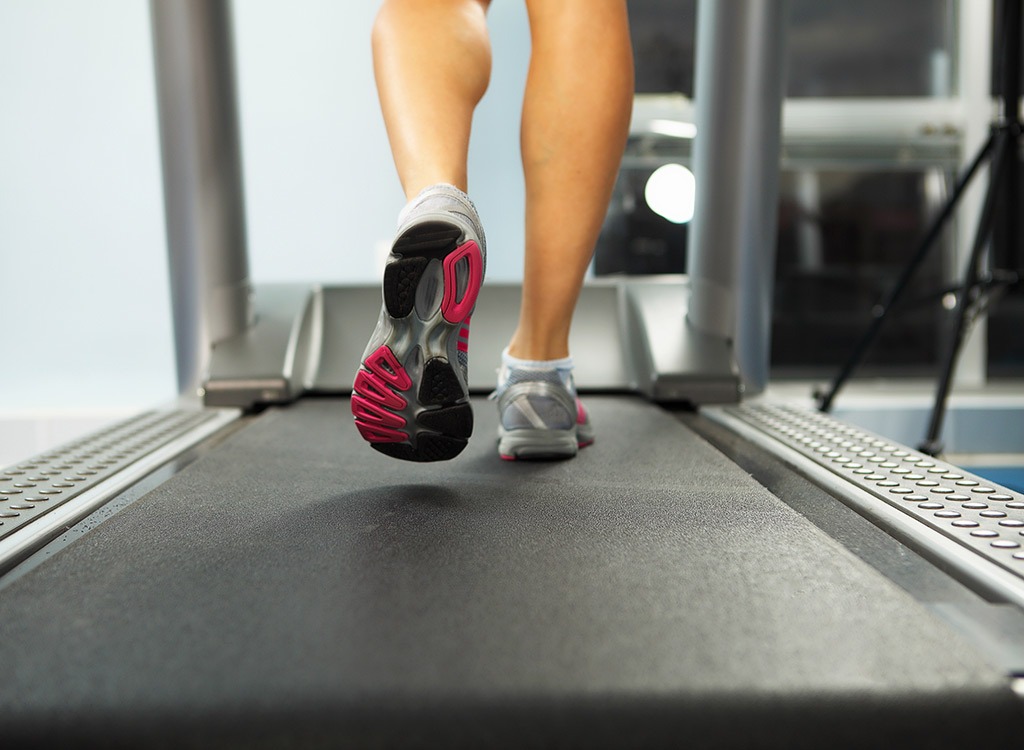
x=632 y=334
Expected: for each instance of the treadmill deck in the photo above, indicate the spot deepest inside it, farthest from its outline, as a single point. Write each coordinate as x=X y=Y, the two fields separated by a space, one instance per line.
x=293 y=585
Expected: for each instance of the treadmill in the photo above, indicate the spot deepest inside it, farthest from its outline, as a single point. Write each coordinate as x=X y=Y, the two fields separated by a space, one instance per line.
x=239 y=569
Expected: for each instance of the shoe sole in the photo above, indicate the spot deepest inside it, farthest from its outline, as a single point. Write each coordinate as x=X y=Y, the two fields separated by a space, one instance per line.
x=540 y=445
x=537 y=445
x=409 y=400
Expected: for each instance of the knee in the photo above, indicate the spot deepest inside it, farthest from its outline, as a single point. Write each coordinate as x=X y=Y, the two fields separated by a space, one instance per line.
x=388 y=16
x=403 y=17
x=396 y=13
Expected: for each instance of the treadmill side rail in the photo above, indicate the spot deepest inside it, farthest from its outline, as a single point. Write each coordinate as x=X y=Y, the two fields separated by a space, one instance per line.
x=963 y=522
x=46 y=494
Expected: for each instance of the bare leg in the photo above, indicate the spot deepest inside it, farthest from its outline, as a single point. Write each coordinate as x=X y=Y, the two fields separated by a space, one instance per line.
x=576 y=113
x=410 y=397
x=432 y=61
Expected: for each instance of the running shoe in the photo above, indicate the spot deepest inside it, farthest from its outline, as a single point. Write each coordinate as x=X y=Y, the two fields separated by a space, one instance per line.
x=410 y=398
x=540 y=415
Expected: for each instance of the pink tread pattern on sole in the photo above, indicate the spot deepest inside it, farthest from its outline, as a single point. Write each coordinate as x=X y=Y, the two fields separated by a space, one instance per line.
x=375 y=393
x=454 y=309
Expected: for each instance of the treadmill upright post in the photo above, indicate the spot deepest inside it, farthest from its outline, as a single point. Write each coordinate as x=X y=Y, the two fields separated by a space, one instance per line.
x=202 y=169
x=739 y=89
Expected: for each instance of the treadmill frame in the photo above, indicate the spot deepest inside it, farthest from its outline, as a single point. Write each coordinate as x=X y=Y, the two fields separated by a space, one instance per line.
x=686 y=344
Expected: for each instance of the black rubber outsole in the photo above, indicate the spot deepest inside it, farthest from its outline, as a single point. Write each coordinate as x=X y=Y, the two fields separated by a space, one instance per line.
x=429 y=447
x=442 y=431
x=417 y=247
x=446 y=429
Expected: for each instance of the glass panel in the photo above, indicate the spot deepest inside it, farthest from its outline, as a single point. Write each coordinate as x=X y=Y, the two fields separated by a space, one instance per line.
x=1005 y=343
x=871 y=48
x=663 y=45
x=863 y=48
x=844 y=235
x=1006 y=318
x=636 y=238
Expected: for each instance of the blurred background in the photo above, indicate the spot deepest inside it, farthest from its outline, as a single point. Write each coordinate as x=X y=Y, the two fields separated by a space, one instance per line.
x=885 y=102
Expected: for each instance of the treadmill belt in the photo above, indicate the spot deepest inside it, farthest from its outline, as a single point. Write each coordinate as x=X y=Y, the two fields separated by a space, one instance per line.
x=293 y=586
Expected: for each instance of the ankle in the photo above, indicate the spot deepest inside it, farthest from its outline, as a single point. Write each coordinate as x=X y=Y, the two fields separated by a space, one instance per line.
x=514 y=368
x=537 y=350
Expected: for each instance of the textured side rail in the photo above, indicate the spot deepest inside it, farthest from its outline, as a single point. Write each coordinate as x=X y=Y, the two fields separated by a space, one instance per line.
x=42 y=496
x=929 y=500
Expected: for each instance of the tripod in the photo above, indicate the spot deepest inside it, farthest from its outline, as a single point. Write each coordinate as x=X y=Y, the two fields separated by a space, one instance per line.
x=981 y=285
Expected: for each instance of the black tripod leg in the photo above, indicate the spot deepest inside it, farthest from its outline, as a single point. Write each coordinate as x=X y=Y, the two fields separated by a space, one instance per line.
x=932 y=445
x=881 y=311
x=1009 y=94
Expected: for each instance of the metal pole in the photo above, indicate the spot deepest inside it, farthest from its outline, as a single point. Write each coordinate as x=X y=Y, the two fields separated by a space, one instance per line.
x=739 y=90
x=202 y=167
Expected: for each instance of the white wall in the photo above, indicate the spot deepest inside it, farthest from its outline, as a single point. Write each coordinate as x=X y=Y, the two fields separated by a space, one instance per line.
x=84 y=310
x=321 y=189
x=84 y=321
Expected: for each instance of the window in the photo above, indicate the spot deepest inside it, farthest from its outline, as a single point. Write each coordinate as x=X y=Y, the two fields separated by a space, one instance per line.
x=869 y=152
x=837 y=48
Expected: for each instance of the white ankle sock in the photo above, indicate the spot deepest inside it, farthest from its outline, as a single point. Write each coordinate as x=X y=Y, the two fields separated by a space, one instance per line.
x=439 y=187
x=562 y=366
x=565 y=363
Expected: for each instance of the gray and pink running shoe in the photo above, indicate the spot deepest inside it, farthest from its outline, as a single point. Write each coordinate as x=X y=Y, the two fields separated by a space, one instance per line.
x=540 y=415
x=410 y=398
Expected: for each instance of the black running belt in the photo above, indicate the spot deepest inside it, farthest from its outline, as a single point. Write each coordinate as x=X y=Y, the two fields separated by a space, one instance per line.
x=295 y=587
